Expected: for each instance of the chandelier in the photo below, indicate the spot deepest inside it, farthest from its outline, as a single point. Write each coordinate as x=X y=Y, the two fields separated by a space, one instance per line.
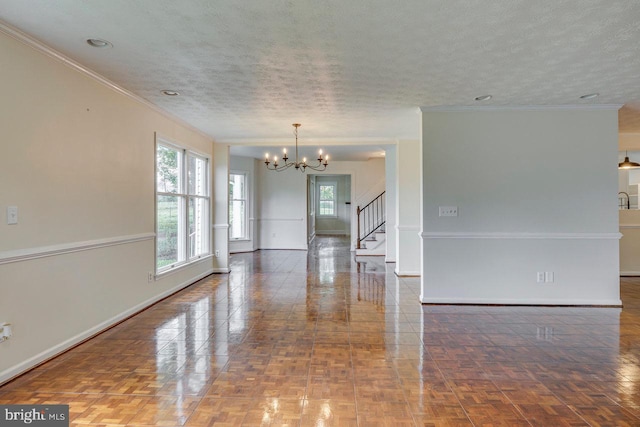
x=300 y=165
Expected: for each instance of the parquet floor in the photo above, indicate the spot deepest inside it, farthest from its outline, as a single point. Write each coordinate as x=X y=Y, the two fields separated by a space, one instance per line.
x=316 y=339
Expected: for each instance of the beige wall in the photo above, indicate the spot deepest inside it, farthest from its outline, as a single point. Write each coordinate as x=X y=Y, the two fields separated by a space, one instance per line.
x=630 y=242
x=629 y=141
x=78 y=161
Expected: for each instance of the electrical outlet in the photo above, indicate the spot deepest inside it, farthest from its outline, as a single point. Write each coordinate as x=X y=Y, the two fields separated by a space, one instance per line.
x=217 y=253
x=151 y=276
x=447 y=211
x=12 y=215
x=548 y=277
x=5 y=332
x=545 y=333
x=540 y=276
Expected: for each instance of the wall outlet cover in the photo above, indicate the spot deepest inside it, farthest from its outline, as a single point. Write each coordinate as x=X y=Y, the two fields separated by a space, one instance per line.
x=12 y=215
x=447 y=211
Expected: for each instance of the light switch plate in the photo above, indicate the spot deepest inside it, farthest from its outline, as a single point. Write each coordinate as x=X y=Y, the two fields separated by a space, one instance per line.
x=12 y=215
x=447 y=211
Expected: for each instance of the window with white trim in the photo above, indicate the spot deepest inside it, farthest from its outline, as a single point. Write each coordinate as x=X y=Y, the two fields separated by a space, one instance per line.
x=238 y=206
x=182 y=206
x=327 y=196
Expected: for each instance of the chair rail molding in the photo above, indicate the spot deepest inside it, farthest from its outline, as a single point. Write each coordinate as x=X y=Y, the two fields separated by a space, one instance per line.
x=18 y=255
x=520 y=235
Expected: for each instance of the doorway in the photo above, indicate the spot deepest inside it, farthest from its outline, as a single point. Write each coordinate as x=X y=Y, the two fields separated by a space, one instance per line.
x=328 y=205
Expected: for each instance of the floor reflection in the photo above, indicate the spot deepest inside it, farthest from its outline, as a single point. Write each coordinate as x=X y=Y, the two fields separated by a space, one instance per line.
x=320 y=338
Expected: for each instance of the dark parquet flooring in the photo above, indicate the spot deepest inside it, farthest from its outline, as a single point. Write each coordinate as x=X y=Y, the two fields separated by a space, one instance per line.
x=318 y=339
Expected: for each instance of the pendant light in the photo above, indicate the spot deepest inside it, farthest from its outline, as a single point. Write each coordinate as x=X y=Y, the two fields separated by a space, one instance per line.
x=627 y=164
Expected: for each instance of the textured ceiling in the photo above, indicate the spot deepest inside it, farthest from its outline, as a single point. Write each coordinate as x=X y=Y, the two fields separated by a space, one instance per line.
x=347 y=70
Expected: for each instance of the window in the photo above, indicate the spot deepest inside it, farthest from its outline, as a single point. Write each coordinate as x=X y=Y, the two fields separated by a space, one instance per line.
x=237 y=206
x=327 y=199
x=182 y=206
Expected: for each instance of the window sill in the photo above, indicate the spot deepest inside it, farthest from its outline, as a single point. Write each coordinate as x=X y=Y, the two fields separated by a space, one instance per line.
x=240 y=240
x=179 y=267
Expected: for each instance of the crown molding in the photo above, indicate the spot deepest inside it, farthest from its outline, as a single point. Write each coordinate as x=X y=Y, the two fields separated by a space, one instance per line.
x=76 y=66
x=489 y=108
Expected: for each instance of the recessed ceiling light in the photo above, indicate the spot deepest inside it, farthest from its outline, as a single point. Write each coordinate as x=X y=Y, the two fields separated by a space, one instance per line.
x=590 y=96
x=484 y=98
x=98 y=43
x=170 y=92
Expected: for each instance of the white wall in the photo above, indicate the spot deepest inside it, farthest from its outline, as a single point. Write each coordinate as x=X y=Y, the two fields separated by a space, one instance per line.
x=246 y=165
x=282 y=209
x=521 y=208
x=282 y=202
x=391 y=199
x=408 y=170
x=341 y=223
x=311 y=208
x=78 y=161
x=220 y=225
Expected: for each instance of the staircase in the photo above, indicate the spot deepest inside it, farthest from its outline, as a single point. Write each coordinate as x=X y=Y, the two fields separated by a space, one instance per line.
x=371 y=232
x=374 y=245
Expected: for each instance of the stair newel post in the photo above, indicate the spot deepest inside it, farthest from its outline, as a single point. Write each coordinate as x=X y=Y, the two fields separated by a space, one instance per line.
x=358 y=214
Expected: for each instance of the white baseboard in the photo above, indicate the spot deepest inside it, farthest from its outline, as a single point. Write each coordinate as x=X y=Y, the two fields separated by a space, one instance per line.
x=389 y=260
x=629 y=273
x=24 y=366
x=407 y=273
x=489 y=301
x=242 y=251
x=222 y=270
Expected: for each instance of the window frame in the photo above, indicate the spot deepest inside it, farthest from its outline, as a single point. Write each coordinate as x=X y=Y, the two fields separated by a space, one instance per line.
x=246 y=231
x=184 y=195
x=319 y=213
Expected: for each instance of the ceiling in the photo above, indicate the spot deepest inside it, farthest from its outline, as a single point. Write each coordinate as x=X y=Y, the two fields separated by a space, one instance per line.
x=354 y=73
